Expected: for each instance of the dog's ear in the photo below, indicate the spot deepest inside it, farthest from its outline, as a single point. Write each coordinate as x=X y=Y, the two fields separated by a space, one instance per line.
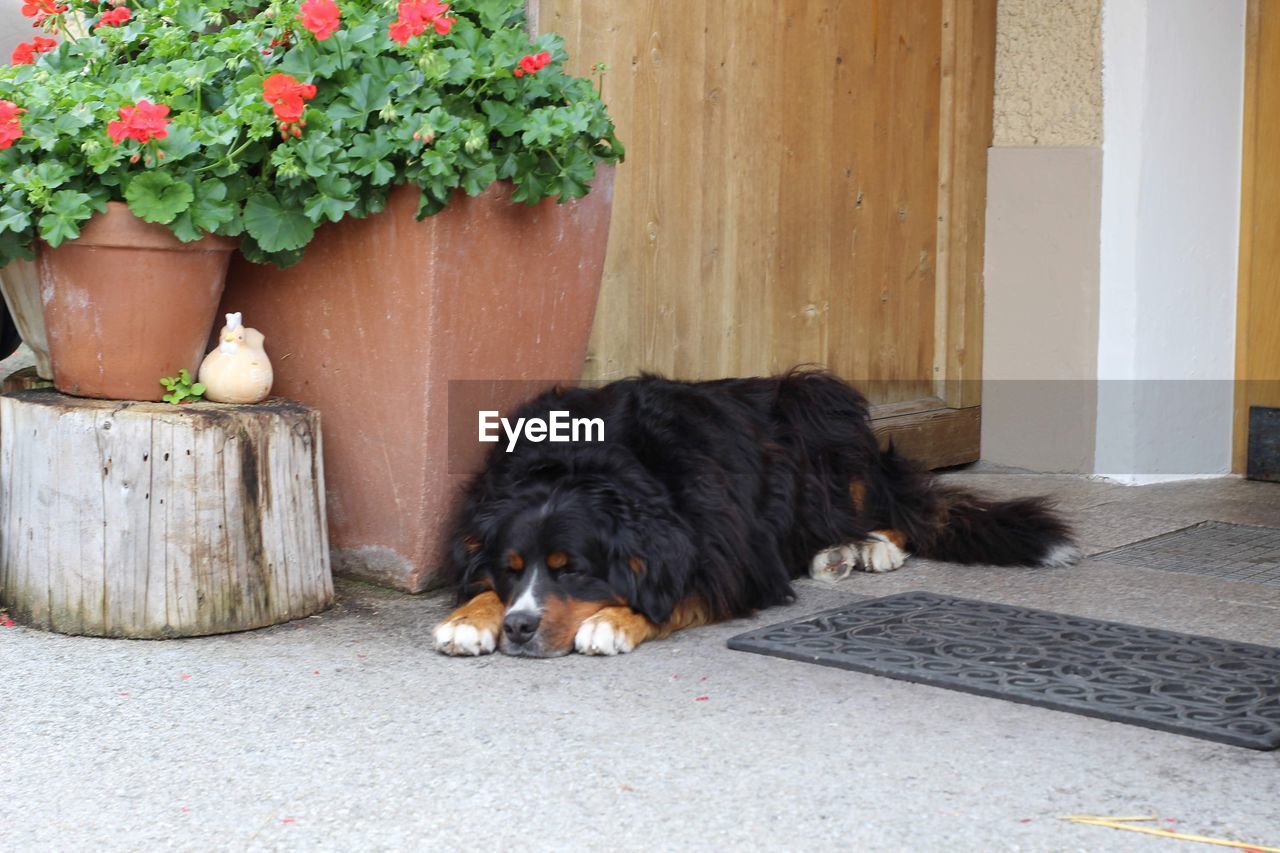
x=651 y=557
x=474 y=526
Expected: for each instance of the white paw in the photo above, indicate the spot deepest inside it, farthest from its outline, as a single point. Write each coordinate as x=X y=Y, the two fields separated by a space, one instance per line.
x=880 y=555
x=834 y=564
x=877 y=555
x=463 y=638
x=598 y=637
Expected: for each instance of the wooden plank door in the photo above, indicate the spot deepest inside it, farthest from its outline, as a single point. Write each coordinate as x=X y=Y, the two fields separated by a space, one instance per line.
x=805 y=184
x=1258 y=306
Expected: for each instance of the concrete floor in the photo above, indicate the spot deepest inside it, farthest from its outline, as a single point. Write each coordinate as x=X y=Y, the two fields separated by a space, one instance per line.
x=347 y=732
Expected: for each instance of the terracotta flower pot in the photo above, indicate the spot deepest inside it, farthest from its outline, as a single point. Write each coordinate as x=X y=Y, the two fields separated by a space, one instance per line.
x=127 y=303
x=384 y=313
x=20 y=285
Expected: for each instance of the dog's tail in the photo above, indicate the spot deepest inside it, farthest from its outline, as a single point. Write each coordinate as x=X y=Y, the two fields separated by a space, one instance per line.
x=947 y=523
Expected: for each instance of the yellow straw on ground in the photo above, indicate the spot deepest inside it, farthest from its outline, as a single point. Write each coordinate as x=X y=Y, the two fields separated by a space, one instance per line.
x=1124 y=823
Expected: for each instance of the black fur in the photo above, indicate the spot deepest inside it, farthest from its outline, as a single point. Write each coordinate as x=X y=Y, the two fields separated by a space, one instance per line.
x=721 y=490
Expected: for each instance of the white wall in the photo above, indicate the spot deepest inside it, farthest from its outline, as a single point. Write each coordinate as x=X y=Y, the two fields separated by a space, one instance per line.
x=1173 y=74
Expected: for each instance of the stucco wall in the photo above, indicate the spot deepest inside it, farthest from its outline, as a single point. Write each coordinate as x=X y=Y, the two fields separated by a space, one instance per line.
x=1048 y=72
x=1041 y=280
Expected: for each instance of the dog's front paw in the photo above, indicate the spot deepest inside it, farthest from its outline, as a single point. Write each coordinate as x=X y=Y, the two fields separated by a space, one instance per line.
x=598 y=636
x=461 y=638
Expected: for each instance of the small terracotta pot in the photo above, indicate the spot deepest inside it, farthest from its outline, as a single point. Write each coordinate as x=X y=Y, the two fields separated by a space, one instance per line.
x=21 y=287
x=127 y=303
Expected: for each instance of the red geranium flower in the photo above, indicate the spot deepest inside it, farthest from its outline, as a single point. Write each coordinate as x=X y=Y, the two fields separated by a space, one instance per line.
x=287 y=98
x=25 y=53
x=10 y=124
x=321 y=17
x=115 y=17
x=39 y=9
x=143 y=122
x=414 y=17
x=533 y=64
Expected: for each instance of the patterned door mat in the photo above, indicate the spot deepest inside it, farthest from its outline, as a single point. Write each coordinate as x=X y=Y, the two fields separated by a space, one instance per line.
x=1234 y=551
x=1199 y=686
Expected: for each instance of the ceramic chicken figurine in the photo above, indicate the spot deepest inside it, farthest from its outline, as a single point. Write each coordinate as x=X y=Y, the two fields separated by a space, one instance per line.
x=238 y=371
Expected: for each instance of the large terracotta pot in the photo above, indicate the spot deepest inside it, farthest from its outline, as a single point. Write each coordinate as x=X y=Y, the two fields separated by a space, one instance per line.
x=386 y=315
x=127 y=303
x=20 y=285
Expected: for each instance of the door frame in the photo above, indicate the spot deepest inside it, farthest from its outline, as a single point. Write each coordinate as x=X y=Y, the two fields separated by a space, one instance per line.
x=1258 y=287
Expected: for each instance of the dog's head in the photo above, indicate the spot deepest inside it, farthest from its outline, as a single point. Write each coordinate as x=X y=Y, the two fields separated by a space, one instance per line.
x=557 y=553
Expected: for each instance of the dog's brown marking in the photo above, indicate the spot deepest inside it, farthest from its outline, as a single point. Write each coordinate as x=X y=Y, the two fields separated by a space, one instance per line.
x=483 y=611
x=557 y=560
x=858 y=491
x=897 y=537
x=472 y=544
x=514 y=561
x=688 y=613
x=636 y=564
x=562 y=617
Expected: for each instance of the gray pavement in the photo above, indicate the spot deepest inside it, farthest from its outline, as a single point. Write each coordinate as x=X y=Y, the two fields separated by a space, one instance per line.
x=347 y=732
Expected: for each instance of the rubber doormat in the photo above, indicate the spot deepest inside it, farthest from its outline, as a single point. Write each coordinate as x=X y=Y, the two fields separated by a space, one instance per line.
x=1236 y=552
x=1199 y=686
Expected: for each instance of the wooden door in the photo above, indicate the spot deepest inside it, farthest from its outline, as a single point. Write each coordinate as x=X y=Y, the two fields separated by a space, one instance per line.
x=805 y=184
x=1258 y=306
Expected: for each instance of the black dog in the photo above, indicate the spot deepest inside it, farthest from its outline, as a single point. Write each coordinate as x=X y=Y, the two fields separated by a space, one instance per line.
x=702 y=502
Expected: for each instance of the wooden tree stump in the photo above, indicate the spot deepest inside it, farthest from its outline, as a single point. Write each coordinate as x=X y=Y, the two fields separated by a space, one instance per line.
x=150 y=520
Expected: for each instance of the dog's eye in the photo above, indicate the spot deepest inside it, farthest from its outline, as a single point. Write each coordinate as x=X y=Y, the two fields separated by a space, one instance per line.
x=557 y=560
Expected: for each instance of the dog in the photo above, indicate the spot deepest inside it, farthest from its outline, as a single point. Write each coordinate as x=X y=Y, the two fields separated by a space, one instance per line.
x=703 y=501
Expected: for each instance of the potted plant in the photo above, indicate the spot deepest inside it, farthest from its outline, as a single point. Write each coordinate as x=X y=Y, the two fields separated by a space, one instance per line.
x=485 y=265
x=167 y=125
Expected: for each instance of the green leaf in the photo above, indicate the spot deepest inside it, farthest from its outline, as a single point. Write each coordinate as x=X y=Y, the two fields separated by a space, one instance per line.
x=276 y=228
x=505 y=118
x=197 y=390
x=496 y=14
x=61 y=221
x=476 y=180
x=207 y=214
x=179 y=143
x=157 y=197
x=367 y=94
x=14 y=218
x=190 y=16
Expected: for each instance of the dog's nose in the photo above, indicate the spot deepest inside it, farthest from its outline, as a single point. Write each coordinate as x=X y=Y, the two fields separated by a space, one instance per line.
x=520 y=627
